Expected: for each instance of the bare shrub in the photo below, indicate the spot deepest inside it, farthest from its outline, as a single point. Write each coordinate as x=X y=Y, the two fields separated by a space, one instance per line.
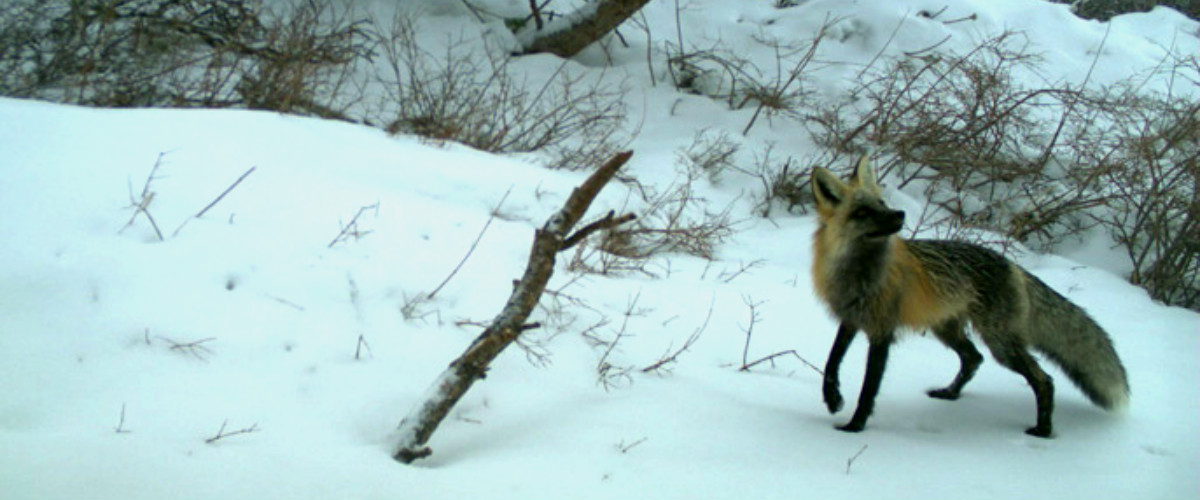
x=180 y=53
x=477 y=100
x=962 y=127
x=712 y=152
x=1036 y=165
x=721 y=74
x=1146 y=149
x=673 y=220
x=783 y=182
x=308 y=63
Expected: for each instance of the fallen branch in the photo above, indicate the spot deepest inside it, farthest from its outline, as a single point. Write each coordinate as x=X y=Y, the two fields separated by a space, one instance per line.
x=416 y=428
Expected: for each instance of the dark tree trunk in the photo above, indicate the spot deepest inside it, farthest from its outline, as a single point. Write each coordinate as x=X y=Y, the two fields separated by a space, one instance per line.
x=587 y=24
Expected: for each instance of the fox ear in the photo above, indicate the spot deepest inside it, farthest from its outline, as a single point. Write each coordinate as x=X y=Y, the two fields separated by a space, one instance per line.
x=864 y=175
x=827 y=188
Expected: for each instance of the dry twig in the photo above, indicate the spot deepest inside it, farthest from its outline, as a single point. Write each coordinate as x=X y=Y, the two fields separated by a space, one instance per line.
x=474 y=244
x=215 y=201
x=351 y=229
x=141 y=205
x=221 y=434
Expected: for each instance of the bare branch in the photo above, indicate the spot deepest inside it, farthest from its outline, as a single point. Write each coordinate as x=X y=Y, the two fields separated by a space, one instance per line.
x=608 y=222
x=486 y=225
x=416 y=428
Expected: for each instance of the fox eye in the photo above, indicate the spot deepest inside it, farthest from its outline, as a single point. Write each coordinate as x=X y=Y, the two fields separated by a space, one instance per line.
x=860 y=213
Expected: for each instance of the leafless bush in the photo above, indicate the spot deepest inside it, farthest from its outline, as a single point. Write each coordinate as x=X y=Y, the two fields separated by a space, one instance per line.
x=673 y=220
x=676 y=220
x=712 y=152
x=721 y=74
x=962 y=127
x=476 y=99
x=1040 y=165
x=783 y=182
x=180 y=53
x=944 y=116
x=1145 y=148
x=307 y=65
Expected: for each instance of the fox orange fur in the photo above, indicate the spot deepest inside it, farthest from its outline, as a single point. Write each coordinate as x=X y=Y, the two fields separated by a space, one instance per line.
x=873 y=280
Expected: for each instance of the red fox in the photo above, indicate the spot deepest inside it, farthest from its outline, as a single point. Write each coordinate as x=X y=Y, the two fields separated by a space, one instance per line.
x=873 y=280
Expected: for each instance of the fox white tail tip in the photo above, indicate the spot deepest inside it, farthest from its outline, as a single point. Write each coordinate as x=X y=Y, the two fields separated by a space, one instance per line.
x=1120 y=400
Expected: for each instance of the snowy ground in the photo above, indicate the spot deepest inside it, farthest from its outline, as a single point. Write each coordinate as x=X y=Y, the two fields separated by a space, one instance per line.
x=120 y=355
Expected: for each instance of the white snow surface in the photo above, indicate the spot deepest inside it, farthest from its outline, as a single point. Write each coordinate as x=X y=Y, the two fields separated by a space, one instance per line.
x=95 y=320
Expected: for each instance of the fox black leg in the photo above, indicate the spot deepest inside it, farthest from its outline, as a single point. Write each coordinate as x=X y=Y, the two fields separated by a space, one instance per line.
x=1019 y=360
x=876 y=363
x=951 y=333
x=1043 y=391
x=833 y=396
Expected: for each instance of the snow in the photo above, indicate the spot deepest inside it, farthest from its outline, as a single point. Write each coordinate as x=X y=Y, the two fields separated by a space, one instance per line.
x=97 y=319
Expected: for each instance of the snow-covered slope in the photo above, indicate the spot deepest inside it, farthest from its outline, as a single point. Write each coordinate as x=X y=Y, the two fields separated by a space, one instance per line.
x=120 y=354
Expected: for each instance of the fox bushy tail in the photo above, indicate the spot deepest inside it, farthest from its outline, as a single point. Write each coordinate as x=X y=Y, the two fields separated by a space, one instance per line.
x=1072 y=339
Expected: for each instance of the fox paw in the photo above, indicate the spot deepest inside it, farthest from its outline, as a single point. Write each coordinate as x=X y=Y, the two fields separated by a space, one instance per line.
x=944 y=393
x=1039 y=431
x=833 y=397
x=851 y=426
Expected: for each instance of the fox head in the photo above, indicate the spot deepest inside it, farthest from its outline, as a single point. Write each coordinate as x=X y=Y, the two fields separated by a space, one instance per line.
x=854 y=210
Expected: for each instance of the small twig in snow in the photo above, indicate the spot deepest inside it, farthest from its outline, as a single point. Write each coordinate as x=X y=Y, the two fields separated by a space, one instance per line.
x=749 y=329
x=754 y=318
x=624 y=448
x=362 y=342
x=195 y=348
x=609 y=374
x=971 y=17
x=771 y=359
x=214 y=202
x=850 y=461
x=142 y=204
x=474 y=244
x=221 y=434
x=727 y=277
x=351 y=229
x=121 y=423
x=666 y=360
